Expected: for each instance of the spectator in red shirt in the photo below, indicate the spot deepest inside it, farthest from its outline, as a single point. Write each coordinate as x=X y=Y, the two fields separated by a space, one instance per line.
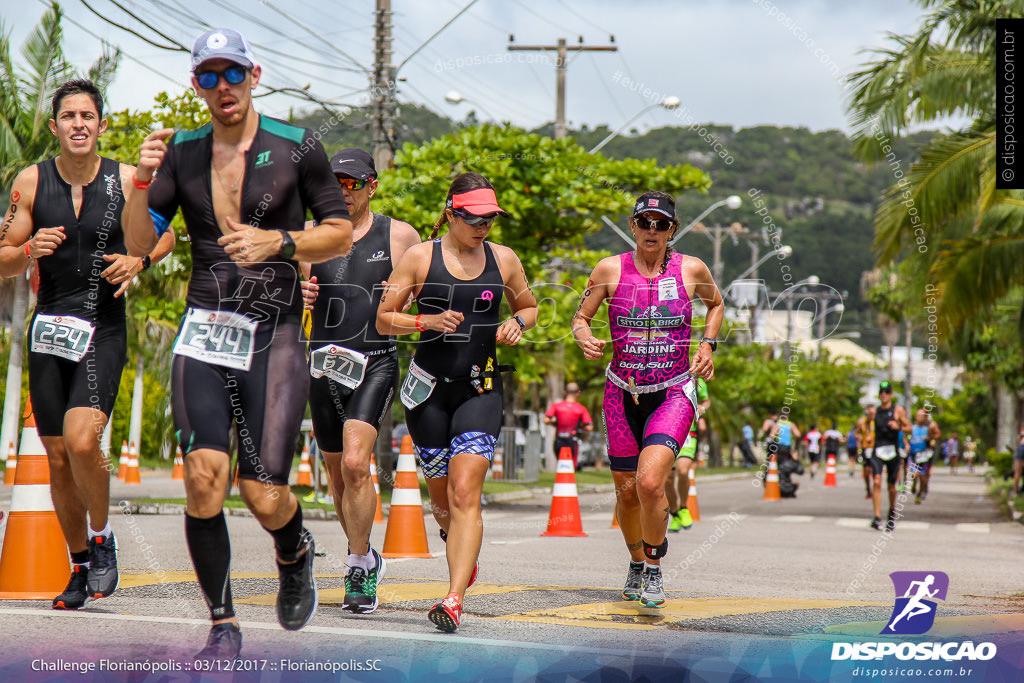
x=568 y=416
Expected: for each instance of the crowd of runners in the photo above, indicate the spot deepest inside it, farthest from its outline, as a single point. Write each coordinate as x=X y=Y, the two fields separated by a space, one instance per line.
x=244 y=185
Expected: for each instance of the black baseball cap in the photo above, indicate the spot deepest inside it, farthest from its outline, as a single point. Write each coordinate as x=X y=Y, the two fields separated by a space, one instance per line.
x=657 y=202
x=885 y=387
x=355 y=163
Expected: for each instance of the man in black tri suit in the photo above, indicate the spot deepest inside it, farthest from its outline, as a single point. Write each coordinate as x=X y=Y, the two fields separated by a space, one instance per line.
x=65 y=213
x=887 y=420
x=244 y=183
x=355 y=368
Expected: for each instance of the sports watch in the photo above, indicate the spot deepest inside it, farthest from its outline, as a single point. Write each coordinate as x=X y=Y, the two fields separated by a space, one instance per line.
x=287 y=249
x=522 y=323
x=712 y=342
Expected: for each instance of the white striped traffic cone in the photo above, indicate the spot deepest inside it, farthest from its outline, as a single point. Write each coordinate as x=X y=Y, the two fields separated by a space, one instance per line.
x=406 y=535
x=12 y=465
x=564 y=519
x=122 y=464
x=132 y=475
x=378 y=516
x=305 y=477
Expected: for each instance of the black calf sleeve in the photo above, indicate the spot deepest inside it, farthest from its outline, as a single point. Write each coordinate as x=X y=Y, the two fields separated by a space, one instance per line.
x=288 y=539
x=210 y=547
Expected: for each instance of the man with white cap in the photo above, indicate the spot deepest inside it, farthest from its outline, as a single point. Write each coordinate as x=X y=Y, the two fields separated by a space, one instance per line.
x=244 y=183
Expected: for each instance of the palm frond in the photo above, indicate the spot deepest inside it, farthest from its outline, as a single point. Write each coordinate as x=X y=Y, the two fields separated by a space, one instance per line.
x=942 y=186
x=104 y=69
x=47 y=68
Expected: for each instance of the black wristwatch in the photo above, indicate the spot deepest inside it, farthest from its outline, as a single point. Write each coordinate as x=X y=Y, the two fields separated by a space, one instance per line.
x=522 y=323
x=146 y=262
x=287 y=249
x=712 y=342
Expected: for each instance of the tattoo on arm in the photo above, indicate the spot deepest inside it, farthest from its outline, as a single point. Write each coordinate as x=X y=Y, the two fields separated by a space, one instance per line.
x=11 y=213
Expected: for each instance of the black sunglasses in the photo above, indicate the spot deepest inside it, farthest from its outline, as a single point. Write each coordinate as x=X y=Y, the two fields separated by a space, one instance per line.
x=233 y=75
x=659 y=224
x=470 y=219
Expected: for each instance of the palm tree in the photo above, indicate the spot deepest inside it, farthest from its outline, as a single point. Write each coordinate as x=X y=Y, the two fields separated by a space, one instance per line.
x=25 y=139
x=946 y=213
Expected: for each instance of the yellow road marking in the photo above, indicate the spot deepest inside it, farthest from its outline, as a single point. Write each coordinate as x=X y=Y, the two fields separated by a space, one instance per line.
x=399 y=592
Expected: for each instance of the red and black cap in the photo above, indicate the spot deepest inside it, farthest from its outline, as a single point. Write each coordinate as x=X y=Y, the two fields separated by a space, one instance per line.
x=479 y=202
x=657 y=202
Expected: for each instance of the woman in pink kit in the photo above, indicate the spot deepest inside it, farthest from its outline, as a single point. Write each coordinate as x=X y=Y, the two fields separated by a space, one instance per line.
x=650 y=396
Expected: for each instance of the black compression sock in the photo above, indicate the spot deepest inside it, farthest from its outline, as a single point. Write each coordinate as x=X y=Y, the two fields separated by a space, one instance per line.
x=210 y=547
x=288 y=539
x=80 y=558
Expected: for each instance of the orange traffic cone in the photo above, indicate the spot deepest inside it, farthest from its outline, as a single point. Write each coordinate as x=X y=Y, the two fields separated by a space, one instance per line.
x=34 y=562
x=305 y=477
x=132 y=475
x=179 y=466
x=497 y=466
x=830 y=471
x=122 y=464
x=564 y=519
x=406 y=535
x=12 y=465
x=691 y=497
x=771 y=482
x=378 y=516
x=615 y=521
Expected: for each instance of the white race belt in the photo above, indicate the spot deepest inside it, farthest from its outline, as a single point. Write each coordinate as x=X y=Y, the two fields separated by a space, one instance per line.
x=218 y=337
x=417 y=387
x=344 y=366
x=885 y=453
x=63 y=336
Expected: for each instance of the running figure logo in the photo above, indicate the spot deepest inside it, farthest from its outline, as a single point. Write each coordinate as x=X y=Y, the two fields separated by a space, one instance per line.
x=914 y=613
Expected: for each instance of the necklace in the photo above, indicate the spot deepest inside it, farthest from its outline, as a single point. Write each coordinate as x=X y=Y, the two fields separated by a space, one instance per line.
x=234 y=185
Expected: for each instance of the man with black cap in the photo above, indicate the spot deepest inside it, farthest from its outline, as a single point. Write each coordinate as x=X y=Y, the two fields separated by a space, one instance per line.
x=887 y=421
x=354 y=367
x=244 y=183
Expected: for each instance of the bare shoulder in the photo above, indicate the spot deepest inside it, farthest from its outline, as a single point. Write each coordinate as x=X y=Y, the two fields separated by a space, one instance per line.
x=693 y=265
x=607 y=271
x=405 y=232
x=23 y=190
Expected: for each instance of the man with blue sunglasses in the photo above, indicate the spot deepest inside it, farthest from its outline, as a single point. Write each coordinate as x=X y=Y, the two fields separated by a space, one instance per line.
x=244 y=183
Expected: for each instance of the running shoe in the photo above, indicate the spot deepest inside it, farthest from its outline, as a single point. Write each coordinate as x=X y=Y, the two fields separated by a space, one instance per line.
x=685 y=518
x=876 y=523
x=917 y=499
x=901 y=488
x=102 y=580
x=296 y=595
x=653 y=594
x=361 y=586
x=890 y=523
x=224 y=642
x=75 y=594
x=674 y=523
x=446 y=614
x=634 y=581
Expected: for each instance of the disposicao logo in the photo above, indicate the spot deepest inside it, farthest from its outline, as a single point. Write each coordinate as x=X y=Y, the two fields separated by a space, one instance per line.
x=914 y=614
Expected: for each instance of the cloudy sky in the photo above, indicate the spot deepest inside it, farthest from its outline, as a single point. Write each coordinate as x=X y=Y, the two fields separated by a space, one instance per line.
x=738 y=62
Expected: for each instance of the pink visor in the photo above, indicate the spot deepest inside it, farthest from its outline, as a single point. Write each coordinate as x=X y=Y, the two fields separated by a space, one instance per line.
x=479 y=202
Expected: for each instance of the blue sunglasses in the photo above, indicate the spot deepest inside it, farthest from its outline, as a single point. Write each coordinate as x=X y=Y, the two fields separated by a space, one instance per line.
x=233 y=75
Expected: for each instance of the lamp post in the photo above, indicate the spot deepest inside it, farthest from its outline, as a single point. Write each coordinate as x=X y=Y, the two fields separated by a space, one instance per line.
x=785 y=250
x=732 y=201
x=788 y=295
x=454 y=97
x=667 y=103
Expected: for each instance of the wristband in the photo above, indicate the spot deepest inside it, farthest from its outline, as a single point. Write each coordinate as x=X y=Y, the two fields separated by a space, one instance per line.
x=28 y=249
x=139 y=185
x=418 y=325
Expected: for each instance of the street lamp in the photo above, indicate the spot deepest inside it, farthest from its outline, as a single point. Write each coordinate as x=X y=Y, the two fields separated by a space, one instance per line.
x=732 y=201
x=454 y=97
x=812 y=280
x=785 y=250
x=669 y=103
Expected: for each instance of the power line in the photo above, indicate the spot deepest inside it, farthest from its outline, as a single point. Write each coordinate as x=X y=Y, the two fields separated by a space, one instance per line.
x=601 y=79
x=133 y=32
x=560 y=27
x=315 y=35
x=583 y=17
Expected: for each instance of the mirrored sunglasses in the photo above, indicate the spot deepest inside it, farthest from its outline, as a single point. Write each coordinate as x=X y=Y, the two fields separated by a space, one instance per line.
x=233 y=75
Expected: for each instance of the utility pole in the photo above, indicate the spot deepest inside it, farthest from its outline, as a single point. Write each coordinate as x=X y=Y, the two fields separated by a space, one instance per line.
x=561 y=67
x=717 y=234
x=382 y=89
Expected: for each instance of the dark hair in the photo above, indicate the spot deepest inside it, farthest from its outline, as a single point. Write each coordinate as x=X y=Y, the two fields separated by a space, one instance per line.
x=654 y=194
x=78 y=86
x=464 y=182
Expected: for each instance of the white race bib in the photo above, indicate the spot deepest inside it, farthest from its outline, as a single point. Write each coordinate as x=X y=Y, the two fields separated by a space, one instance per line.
x=667 y=289
x=923 y=456
x=885 y=453
x=417 y=387
x=344 y=366
x=63 y=336
x=218 y=337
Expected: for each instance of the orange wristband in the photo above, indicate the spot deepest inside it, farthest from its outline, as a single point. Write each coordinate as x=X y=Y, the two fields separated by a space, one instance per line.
x=140 y=185
x=418 y=325
x=28 y=251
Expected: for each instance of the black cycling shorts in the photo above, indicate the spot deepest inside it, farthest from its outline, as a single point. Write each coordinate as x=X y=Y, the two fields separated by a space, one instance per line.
x=892 y=467
x=567 y=442
x=57 y=384
x=331 y=403
x=455 y=419
x=265 y=404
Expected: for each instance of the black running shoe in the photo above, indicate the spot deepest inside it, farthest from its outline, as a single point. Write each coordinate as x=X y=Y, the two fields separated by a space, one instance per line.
x=224 y=642
x=876 y=523
x=890 y=523
x=296 y=596
x=103 y=577
x=75 y=594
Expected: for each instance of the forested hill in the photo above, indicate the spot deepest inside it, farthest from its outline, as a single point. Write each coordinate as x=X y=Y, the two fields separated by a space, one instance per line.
x=819 y=195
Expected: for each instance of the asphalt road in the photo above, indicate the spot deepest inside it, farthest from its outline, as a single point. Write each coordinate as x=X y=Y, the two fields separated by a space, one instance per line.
x=757 y=590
